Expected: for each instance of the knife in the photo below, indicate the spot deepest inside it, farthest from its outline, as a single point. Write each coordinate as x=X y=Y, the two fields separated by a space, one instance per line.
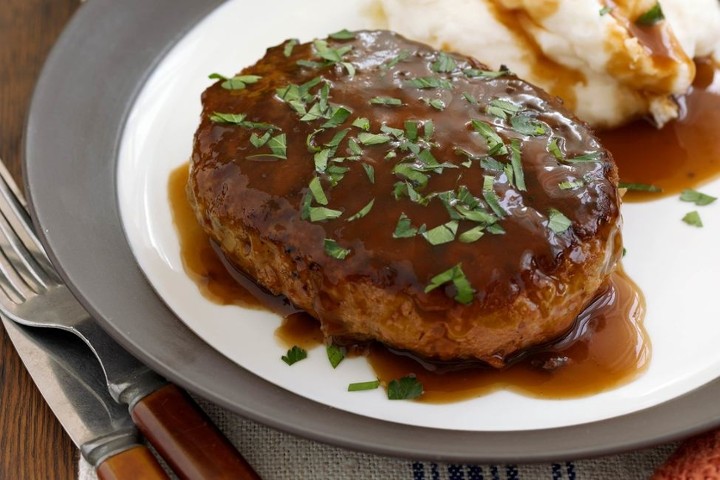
x=73 y=385
x=170 y=420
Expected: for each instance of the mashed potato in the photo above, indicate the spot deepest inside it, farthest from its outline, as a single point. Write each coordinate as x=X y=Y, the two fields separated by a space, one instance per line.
x=591 y=53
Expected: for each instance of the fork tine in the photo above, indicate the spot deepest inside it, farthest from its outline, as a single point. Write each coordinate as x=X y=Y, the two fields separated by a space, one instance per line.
x=22 y=245
x=13 y=286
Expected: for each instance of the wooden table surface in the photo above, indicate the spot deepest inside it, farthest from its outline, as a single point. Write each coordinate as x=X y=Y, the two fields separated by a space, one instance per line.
x=32 y=442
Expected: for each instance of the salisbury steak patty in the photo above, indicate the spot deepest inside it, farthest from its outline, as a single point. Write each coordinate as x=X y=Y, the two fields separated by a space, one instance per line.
x=406 y=195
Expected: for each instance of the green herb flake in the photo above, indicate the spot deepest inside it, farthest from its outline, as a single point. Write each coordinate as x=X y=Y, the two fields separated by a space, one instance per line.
x=698 y=198
x=390 y=101
x=238 y=82
x=444 y=63
x=258 y=141
x=338 y=117
x=366 y=138
x=491 y=197
x=586 y=158
x=404 y=228
x=317 y=191
x=363 y=211
x=435 y=103
x=411 y=130
x=333 y=249
x=557 y=222
x=370 y=172
x=570 y=184
x=693 y=219
x=428 y=129
x=494 y=142
x=605 y=10
x=469 y=98
x=456 y=276
x=294 y=355
x=343 y=34
x=472 y=235
x=486 y=74
x=335 y=354
x=362 y=123
x=289 y=46
x=362 y=386
x=527 y=125
x=400 y=57
x=405 y=388
x=423 y=83
x=278 y=146
x=639 y=187
x=321 y=214
x=502 y=109
x=354 y=148
x=441 y=234
x=554 y=149
x=652 y=17
x=516 y=162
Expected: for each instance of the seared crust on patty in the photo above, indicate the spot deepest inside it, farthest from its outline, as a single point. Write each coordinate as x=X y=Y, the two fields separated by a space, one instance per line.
x=408 y=196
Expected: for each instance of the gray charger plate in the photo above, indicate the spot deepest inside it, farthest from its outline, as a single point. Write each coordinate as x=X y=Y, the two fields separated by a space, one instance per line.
x=75 y=124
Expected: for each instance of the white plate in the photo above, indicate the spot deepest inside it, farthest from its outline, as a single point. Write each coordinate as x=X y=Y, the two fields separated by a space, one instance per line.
x=675 y=265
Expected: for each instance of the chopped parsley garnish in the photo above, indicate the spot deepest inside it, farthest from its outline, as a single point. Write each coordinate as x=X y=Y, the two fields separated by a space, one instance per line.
x=363 y=211
x=471 y=235
x=554 y=148
x=278 y=146
x=527 y=125
x=335 y=354
x=317 y=191
x=294 y=355
x=444 y=233
x=435 y=103
x=494 y=142
x=405 y=388
x=369 y=171
x=693 y=219
x=651 y=17
x=639 y=187
x=239 y=120
x=362 y=123
x=257 y=141
x=444 y=63
x=469 y=98
x=502 y=108
x=333 y=249
x=385 y=101
x=289 y=46
x=698 y=198
x=491 y=197
x=456 y=276
x=570 y=184
x=605 y=10
x=238 y=82
x=404 y=228
x=361 y=386
x=486 y=74
x=557 y=222
x=516 y=162
x=429 y=82
x=585 y=158
x=321 y=214
x=367 y=138
x=343 y=34
x=337 y=117
x=400 y=57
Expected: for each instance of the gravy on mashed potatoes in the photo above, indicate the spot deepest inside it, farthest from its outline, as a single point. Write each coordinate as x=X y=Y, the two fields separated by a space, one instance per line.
x=596 y=55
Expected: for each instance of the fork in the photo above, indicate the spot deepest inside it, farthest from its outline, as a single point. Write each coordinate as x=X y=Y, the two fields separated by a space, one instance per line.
x=32 y=294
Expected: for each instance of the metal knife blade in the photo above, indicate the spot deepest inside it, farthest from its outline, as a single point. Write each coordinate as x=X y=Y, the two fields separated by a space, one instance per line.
x=73 y=385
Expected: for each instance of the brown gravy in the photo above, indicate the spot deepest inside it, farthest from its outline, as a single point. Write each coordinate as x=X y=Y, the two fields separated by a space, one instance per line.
x=607 y=347
x=684 y=153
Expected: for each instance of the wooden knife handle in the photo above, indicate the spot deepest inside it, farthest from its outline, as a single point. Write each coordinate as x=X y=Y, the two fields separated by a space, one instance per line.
x=187 y=439
x=136 y=463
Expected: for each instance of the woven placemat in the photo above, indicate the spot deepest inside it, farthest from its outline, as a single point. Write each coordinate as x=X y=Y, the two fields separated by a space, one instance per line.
x=279 y=456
